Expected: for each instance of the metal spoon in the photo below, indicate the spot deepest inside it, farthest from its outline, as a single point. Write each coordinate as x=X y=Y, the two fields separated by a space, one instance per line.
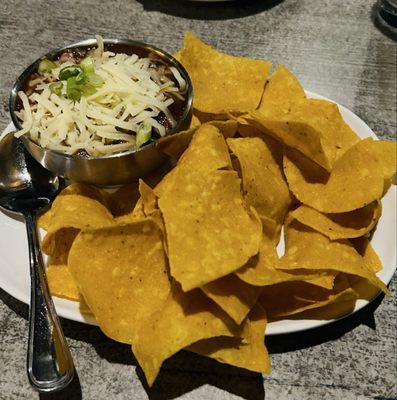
x=26 y=187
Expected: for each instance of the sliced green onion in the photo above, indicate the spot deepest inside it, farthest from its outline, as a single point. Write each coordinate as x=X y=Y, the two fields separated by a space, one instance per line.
x=95 y=79
x=88 y=65
x=81 y=78
x=56 y=88
x=73 y=89
x=46 y=65
x=87 y=90
x=70 y=71
x=143 y=134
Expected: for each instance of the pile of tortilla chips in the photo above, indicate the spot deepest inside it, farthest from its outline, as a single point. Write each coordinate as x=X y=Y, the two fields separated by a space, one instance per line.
x=188 y=260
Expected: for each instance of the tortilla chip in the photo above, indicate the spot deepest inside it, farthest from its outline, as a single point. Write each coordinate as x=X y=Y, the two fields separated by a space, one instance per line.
x=363 y=288
x=261 y=270
x=290 y=298
x=325 y=281
x=348 y=138
x=282 y=90
x=85 y=190
x=223 y=83
x=312 y=126
x=340 y=225
x=184 y=319
x=129 y=267
x=175 y=145
x=355 y=181
x=337 y=306
x=61 y=282
x=234 y=296
x=251 y=355
x=77 y=212
x=386 y=153
x=201 y=213
x=263 y=182
x=44 y=219
x=364 y=248
x=195 y=123
x=308 y=249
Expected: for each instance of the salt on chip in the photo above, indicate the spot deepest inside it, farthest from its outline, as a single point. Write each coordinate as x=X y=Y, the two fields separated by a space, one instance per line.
x=126 y=277
x=308 y=249
x=263 y=182
x=184 y=319
x=201 y=213
x=340 y=225
x=251 y=355
x=356 y=180
x=233 y=295
x=222 y=83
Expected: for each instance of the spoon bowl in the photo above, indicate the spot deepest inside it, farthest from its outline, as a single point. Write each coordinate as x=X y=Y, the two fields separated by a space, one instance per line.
x=25 y=188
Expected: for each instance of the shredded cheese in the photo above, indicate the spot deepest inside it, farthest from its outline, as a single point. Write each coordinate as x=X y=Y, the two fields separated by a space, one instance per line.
x=106 y=121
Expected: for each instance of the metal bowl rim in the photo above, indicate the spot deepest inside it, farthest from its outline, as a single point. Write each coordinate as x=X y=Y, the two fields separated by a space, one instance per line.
x=86 y=43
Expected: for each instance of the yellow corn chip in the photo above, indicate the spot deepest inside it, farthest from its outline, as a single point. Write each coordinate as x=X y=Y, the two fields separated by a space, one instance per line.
x=340 y=225
x=308 y=249
x=223 y=83
x=201 y=213
x=251 y=355
x=234 y=296
x=77 y=212
x=364 y=248
x=126 y=277
x=184 y=319
x=355 y=181
x=263 y=182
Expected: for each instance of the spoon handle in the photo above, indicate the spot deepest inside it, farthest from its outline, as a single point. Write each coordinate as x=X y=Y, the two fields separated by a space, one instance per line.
x=49 y=363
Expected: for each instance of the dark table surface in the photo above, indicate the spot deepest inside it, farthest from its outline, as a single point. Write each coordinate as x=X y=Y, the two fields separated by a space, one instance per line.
x=336 y=50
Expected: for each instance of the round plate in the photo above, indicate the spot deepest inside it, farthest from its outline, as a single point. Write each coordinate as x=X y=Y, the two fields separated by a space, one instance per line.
x=14 y=265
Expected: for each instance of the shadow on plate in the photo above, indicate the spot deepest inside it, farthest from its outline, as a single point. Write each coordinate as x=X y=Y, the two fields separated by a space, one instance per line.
x=214 y=10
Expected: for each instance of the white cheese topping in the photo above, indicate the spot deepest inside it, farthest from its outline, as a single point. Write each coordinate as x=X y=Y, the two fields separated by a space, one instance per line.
x=106 y=121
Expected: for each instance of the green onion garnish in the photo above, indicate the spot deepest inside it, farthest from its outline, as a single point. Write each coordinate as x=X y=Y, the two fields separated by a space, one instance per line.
x=56 y=88
x=70 y=71
x=73 y=91
x=46 y=66
x=143 y=134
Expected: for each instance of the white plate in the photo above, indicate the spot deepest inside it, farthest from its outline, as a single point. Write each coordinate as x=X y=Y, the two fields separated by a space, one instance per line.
x=14 y=266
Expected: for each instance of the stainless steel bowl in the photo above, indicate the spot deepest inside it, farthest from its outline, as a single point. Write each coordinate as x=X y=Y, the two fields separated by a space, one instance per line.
x=113 y=169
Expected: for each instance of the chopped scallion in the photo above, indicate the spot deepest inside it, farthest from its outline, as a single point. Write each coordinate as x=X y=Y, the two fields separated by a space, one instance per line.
x=69 y=71
x=56 y=88
x=143 y=134
x=46 y=66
